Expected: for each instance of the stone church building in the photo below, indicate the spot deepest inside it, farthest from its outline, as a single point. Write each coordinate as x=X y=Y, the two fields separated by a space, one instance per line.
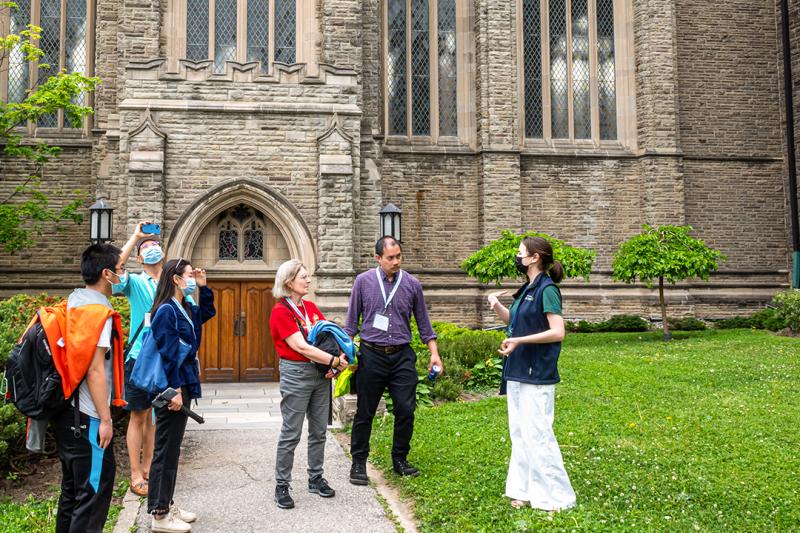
x=259 y=130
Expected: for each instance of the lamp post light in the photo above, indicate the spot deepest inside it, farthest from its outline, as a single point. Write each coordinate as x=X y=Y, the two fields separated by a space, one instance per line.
x=100 y=219
x=390 y=221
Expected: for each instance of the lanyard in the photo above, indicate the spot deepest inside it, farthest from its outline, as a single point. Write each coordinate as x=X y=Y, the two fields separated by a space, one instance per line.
x=387 y=301
x=303 y=315
x=180 y=306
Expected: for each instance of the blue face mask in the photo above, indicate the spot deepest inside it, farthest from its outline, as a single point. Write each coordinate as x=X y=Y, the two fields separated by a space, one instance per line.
x=118 y=287
x=152 y=255
x=191 y=286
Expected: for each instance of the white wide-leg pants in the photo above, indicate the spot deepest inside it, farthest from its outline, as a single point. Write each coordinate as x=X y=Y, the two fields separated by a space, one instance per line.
x=536 y=472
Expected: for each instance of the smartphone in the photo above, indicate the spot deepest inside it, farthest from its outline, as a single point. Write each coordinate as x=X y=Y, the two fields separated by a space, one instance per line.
x=151 y=229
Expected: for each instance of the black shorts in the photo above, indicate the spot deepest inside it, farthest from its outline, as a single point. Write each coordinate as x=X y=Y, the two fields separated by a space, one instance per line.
x=138 y=399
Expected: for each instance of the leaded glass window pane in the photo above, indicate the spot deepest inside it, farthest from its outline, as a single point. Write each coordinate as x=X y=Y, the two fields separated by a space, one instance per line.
x=224 y=34
x=229 y=244
x=582 y=116
x=605 y=64
x=420 y=69
x=396 y=68
x=253 y=243
x=532 y=42
x=558 y=69
x=448 y=109
x=196 y=30
x=285 y=26
x=50 y=43
x=75 y=49
x=258 y=32
x=18 y=71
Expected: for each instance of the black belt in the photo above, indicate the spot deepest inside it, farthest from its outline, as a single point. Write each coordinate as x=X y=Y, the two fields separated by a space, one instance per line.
x=384 y=349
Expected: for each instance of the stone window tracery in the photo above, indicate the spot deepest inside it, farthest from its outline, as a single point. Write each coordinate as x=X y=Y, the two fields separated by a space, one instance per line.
x=240 y=235
x=240 y=30
x=424 y=67
x=570 y=69
x=67 y=40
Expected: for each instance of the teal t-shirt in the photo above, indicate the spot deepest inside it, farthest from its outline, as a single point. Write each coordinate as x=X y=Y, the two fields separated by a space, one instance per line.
x=140 y=289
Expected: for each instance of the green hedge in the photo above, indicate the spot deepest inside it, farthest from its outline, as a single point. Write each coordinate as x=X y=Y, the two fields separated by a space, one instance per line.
x=617 y=323
x=15 y=314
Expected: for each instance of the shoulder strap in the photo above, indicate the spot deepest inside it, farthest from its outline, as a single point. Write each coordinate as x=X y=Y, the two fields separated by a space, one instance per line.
x=132 y=341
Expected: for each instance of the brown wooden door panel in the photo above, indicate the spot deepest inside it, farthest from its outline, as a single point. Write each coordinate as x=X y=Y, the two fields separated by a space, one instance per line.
x=219 y=353
x=257 y=353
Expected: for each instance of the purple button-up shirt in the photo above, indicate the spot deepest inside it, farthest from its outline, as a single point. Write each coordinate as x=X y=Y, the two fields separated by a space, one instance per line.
x=366 y=300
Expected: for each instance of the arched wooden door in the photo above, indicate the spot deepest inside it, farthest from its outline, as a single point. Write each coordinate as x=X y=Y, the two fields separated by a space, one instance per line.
x=236 y=343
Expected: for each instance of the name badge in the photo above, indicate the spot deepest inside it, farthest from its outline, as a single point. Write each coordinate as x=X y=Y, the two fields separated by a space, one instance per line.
x=147 y=320
x=381 y=322
x=529 y=298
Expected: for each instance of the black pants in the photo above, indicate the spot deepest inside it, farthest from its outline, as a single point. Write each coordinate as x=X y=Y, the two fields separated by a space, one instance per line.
x=170 y=427
x=87 y=474
x=377 y=372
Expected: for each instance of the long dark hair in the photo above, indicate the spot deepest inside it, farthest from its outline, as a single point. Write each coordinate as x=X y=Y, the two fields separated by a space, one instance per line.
x=538 y=245
x=166 y=288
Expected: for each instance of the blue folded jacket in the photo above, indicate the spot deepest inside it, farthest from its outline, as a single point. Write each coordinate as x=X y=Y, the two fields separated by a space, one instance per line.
x=342 y=338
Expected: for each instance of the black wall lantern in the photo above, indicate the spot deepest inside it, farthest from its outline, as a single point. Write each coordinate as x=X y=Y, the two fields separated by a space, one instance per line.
x=100 y=219
x=390 y=221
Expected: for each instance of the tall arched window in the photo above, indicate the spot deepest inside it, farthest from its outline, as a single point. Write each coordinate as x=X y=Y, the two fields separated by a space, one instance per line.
x=67 y=40
x=240 y=30
x=425 y=43
x=570 y=65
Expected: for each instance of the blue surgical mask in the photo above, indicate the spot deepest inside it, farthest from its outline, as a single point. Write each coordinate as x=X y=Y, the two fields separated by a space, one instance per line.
x=152 y=255
x=118 y=287
x=191 y=286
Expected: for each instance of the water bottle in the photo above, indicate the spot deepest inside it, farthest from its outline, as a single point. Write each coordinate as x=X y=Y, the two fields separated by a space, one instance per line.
x=434 y=372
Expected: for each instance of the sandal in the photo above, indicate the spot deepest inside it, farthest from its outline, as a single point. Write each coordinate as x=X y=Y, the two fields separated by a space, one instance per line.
x=140 y=489
x=518 y=504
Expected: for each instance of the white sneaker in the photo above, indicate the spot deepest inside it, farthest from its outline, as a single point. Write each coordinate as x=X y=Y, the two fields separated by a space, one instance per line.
x=170 y=523
x=182 y=514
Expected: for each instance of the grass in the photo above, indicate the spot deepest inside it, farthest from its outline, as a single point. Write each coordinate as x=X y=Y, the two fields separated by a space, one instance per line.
x=699 y=434
x=35 y=516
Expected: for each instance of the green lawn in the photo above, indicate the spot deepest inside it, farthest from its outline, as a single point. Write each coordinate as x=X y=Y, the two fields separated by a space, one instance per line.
x=700 y=434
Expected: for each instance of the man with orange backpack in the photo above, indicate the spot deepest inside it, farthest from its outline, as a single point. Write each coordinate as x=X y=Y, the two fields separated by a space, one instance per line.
x=91 y=369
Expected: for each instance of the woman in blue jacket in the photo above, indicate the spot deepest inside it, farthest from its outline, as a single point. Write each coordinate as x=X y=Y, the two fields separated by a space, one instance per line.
x=176 y=327
x=536 y=473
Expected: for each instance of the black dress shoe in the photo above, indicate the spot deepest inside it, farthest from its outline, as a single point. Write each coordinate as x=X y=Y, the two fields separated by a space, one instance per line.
x=282 y=497
x=404 y=468
x=358 y=474
x=319 y=485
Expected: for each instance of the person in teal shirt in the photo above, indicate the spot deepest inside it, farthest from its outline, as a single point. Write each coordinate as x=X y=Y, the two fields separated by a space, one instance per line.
x=140 y=289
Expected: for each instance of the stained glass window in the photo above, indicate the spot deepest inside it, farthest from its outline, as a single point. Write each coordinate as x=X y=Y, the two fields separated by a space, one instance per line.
x=448 y=110
x=581 y=110
x=258 y=33
x=285 y=24
x=396 y=67
x=75 y=49
x=607 y=94
x=228 y=243
x=532 y=37
x=18 y=72
x=420 y=69
x=559 y=121
x=224 y=34
x=253 y=242
x=196 y=29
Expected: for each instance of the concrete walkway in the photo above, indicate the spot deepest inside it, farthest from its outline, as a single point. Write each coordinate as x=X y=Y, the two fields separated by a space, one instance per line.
x=227 y=472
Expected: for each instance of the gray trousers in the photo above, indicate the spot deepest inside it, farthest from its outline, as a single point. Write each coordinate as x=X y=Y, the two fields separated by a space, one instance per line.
x=304 y=392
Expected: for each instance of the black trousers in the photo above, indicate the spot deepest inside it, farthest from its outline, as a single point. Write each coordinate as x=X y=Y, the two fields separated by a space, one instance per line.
x=377 y=372
x=170 y=427
x=87 y=474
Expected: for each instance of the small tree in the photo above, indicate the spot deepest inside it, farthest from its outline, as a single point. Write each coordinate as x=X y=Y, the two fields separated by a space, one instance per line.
x=664 y=253
x=495 y=261
x=25 y=209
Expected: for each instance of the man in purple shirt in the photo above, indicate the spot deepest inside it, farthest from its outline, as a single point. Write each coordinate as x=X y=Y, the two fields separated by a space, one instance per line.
x=385 y=298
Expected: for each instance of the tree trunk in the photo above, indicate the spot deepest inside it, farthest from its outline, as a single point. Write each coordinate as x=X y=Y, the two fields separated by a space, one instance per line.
x=667 y=334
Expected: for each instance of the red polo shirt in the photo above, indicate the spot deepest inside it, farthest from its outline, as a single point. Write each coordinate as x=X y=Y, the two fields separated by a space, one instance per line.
x=282 y=325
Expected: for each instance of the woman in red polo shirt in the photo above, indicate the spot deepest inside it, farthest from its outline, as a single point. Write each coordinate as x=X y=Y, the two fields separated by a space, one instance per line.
x=305 y=386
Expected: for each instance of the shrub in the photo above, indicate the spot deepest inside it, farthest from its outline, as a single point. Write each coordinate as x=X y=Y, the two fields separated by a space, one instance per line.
x=768 y=319
x=469 y=347
x=788 y=303
x=620 y=323
x=735 y=322
x=486 y=374
x=687 y=323
x=447 y=389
